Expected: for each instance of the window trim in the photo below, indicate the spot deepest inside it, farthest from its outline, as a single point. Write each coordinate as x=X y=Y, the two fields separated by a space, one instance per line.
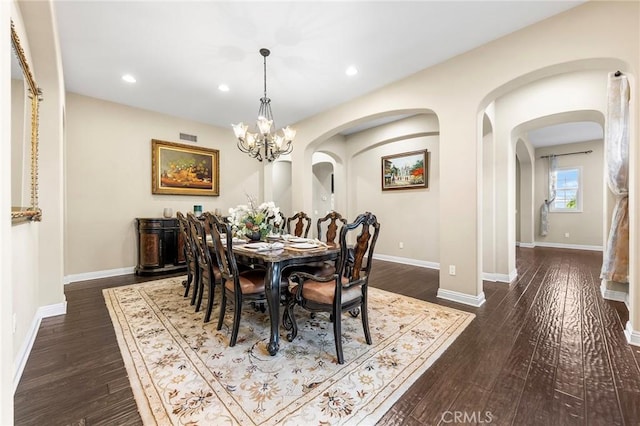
x=579 y=195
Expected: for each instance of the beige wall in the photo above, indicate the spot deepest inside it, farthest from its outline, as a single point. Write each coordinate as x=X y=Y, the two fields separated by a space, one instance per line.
x=281 y=172
x=109 y=178
x=488 y=191
x=410 y=217
x=584 y=228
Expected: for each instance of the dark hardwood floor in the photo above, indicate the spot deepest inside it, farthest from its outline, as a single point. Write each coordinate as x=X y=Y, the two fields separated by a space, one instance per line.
x=545 y=350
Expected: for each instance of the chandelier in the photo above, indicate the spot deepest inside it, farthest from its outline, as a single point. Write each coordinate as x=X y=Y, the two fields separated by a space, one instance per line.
x=264 y=143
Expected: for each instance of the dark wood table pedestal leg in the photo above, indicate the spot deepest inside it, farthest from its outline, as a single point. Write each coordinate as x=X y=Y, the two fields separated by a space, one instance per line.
x=272 y=289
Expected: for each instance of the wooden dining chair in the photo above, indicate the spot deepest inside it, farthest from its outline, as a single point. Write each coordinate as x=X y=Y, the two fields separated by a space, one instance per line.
x=299 y=225
x=209 y=273
x=346 y=290
x=283 y=222
x=193 y=273
x=237 y=287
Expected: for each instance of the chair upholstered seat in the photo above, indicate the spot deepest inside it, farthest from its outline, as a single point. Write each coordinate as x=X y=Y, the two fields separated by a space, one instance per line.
x=251 y=282
x=216 y=274
x=324 y=293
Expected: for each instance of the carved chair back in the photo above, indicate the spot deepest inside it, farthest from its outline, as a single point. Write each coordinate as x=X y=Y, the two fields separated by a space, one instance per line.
x=189 y=253
x=356 y=266
x=330 y=223
x=222 y=239
x=299 y=225
x=199 y=239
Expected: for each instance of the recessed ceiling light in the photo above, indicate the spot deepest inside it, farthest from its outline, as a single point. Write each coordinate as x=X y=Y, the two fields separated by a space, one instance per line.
x=223 y=88
x=129 y=78
x=352 y=70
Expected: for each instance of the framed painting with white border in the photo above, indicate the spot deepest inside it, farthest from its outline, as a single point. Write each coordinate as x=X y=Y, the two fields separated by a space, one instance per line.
x=408 y=170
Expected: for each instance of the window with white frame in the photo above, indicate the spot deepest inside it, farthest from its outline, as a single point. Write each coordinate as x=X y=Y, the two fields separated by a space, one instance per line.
x=568 y=190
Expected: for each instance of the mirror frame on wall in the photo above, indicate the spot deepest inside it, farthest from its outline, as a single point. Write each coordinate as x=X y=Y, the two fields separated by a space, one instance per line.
x=32 y=212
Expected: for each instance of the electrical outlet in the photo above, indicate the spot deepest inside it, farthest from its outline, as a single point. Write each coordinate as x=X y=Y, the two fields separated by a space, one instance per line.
x=401 y=244
x=566 y=235
x=452 y=269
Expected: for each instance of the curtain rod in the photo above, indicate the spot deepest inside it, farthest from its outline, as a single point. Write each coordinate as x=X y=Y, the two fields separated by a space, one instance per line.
x=568 y=153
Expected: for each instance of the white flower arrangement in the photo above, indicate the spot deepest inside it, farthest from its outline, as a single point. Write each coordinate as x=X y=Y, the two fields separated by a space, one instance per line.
x=247 y=220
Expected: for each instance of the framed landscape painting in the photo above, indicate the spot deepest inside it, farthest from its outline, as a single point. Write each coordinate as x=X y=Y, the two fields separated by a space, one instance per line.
x=408 y=170
x=184 y=169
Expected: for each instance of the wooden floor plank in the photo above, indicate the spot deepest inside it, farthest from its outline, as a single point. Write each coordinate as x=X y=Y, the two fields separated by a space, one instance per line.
x=545 y=349
x=602 y=405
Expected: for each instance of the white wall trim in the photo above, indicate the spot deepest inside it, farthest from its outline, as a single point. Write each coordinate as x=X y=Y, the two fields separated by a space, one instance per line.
x=615 y=295
x=23 y=355
x=98 y=274
x=526 y=245
x=467 y=299
x=568 y=246
x=502 y=278
x=633 y=336
x=407 y=261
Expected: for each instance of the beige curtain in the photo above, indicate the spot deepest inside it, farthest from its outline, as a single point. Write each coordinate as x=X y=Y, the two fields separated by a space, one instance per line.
x=615 y=266
x=552 y=165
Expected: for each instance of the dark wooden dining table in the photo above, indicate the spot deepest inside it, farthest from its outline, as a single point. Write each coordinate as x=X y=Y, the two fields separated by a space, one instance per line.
x=275 y=262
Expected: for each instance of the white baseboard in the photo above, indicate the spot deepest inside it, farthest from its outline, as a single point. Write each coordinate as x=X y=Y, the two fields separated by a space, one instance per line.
x=467 y=299
x=407 y=261
x=488 y=276
x=617 y=296
x=98 y=274
x=526 y=245
x=567 y=246
x=501 y=278
x=633 y=336
x=23 y=355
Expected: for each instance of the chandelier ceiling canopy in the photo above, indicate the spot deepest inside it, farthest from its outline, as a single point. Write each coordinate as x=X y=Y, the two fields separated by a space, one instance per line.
x=265 y=143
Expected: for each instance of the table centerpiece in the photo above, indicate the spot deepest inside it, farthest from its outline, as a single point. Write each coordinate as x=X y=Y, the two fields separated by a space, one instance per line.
x=252 y=222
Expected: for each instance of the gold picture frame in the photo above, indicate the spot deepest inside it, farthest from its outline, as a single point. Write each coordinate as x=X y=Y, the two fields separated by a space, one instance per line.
x=409 y=170
x=21 y=213
x=178 y=169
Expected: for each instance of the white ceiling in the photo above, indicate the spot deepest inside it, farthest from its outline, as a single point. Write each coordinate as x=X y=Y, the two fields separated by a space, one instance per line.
x=180 y=51
x=577 y=131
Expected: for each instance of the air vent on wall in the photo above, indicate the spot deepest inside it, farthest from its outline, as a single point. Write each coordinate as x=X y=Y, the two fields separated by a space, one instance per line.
x=190 y=138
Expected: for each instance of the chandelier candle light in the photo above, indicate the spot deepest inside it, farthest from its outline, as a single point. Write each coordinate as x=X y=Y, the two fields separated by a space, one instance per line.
x=265 y=143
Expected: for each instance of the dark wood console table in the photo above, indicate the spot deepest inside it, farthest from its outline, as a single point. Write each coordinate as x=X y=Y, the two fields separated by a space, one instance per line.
x=160 y=246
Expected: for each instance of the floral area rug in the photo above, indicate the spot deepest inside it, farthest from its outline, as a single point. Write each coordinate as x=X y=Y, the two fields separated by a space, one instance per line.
x=182 y=371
